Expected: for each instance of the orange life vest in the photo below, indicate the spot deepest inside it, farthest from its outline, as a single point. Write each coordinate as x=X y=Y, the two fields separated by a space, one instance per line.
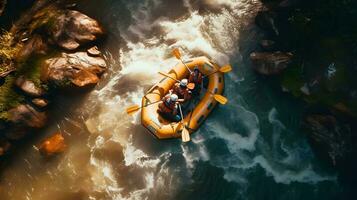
x=182 y=93
x=167 y=106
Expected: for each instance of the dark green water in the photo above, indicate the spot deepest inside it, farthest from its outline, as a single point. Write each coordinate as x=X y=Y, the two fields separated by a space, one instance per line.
x=249 y=149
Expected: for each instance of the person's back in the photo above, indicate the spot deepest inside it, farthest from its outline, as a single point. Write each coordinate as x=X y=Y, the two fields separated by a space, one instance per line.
x=168 y=107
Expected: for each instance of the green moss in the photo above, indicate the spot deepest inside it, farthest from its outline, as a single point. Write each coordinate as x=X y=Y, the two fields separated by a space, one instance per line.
x=9 y=98
x=8 y=51
x=45 y=19
x=292 y=80
x=31 y=70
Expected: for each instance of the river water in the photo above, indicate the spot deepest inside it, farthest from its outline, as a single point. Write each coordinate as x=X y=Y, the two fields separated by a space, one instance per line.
x=251 y=148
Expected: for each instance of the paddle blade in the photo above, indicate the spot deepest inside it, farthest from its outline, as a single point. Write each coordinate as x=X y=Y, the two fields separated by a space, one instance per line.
x=191 y=86
x=132 y=109
x=176 y=53
x=185 y=135
x=226 y=69
x=221 y=99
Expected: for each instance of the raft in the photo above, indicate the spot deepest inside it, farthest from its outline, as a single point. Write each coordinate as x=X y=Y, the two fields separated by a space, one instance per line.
x=164 y=129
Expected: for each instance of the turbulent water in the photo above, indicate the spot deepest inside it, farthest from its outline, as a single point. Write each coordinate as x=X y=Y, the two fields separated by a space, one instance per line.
x=250 y=148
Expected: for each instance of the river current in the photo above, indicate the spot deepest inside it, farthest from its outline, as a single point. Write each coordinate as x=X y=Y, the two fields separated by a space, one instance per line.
x=251 y=148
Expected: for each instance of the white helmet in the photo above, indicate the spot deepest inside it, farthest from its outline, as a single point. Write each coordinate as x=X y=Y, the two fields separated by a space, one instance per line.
x=173 y=98
x=183 y=82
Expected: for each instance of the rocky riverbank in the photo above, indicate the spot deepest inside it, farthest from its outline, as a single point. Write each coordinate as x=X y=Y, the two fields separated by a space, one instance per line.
x=51 y=48
x=310 y=47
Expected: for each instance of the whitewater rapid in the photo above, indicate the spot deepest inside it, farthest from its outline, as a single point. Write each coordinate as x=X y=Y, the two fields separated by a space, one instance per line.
x=234 y=144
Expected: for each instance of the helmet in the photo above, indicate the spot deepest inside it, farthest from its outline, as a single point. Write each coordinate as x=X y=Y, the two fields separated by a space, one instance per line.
x=173 y=98
x=183 y=83
x=196 y=69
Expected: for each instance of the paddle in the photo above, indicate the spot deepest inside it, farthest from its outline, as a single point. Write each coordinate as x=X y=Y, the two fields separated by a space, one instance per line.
x=134 y=108
x=185 y=135
x=190 y=86
x=224 y=69
x=177 y=54
x=220 y=99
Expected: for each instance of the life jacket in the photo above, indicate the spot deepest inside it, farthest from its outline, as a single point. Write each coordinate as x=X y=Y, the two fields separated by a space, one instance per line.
x=195 y=78
x=182 y=92
x=167 y=106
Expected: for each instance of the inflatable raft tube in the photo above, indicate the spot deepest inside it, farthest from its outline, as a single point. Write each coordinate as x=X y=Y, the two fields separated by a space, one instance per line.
x=162 y=128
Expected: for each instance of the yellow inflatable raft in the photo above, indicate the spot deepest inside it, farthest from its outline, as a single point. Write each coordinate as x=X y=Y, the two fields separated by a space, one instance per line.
x=163 y=128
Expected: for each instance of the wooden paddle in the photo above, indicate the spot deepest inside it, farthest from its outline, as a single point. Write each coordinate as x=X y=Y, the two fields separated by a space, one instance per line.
x=224 y=69
x=190 y=86
x=185 y=134
x=134 y=108
x=177 y=54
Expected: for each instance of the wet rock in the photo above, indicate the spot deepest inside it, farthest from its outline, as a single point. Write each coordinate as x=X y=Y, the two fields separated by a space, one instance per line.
x=267 y=63
x=72 y=29
x=4 y=146
x=266 y=21
x=34 y=45
x=330 y=135
x=53 y=145
x=29 y=87
x=26 y=116
x=78 y=68
x=2 y=6
x=41 y=103
x=268 y=45
x=93 y=51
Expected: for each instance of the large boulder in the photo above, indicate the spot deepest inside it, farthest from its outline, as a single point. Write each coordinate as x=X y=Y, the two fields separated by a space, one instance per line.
x=29 y=87
x=23 y=119
x=329 y=135
x=79 y=68
x=72 y=29
x=53 y=145
x=34 y=45
x=267 y=63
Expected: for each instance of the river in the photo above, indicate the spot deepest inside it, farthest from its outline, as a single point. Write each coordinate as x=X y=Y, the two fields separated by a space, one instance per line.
x=251 y=148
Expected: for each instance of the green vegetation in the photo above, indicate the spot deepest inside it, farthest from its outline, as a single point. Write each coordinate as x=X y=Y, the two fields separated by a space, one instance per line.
x=8 y=51
x=9 y=98
x=45 y=19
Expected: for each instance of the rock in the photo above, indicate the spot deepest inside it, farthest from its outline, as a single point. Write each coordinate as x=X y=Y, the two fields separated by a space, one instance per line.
x=333 y=137
x=4 y=146
x=26 y=116
x=78 y=68
x=267 y=45
x=266 y=21
x=34 y=45
x=93 y=51
x=2 y=6
x=53 y=145
x=29 y=87
x=72 y=29
x=270 y=63
x=41 y=103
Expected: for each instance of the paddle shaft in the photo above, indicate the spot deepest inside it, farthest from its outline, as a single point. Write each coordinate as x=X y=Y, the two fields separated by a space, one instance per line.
x=150 y=104
x=185 y=65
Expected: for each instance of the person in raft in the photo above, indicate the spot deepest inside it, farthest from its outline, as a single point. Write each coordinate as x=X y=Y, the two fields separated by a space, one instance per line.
x=196 y=77
x=182 y=91
x=168 y=108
